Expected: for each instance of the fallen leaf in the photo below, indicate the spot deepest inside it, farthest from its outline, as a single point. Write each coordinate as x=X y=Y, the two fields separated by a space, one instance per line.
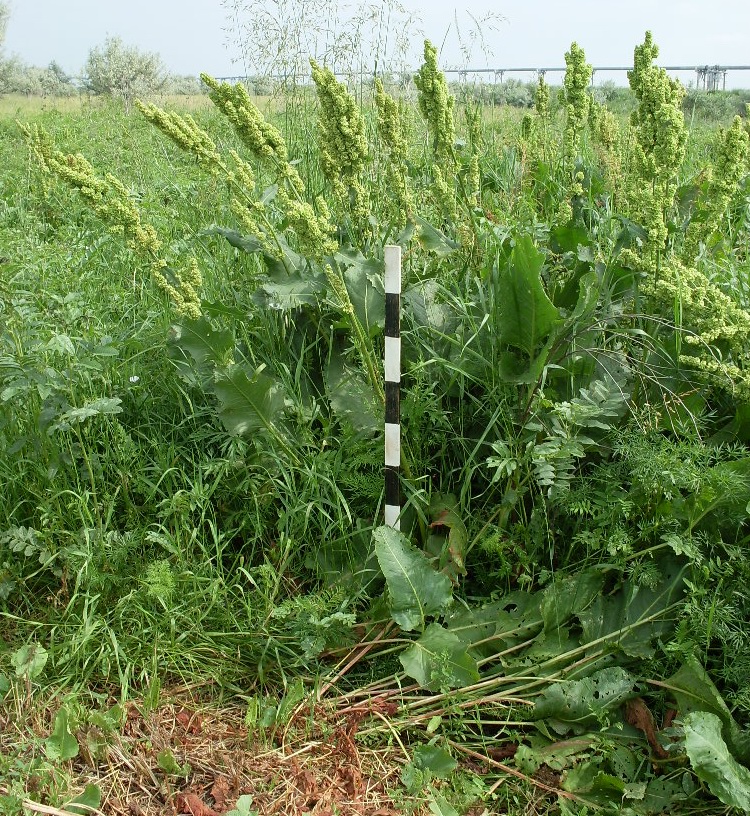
x=190 y=803
x=220 y=792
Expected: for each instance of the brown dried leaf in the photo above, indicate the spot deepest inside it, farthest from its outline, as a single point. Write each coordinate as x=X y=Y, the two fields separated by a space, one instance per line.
x=190 y=803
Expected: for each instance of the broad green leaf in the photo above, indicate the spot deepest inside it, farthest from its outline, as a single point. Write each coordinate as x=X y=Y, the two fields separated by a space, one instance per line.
x=439 y=660
x=556 y=755
x=90 y=800
x=569 y=595
x=582 y=703
x=416 y=590
x=61 y=343
x=352 y=397
x=4 y=686
x=435 y=759
x=29 y=661
x=712 y=761
x=61 y=744
x=634 y=616
x=598 y=787
x=243 y=807
x=439 y=806
x=248 y=405
x=662 y=794
x=205 y=344
x=363 y=278
x=97 y=407
x=511 y=620
x=284 y=291
x=694 y=690
x=588 y=296
x=568 y=237
x=527 y=315
x=285 y=262
x=166 y=761
x=431 y=239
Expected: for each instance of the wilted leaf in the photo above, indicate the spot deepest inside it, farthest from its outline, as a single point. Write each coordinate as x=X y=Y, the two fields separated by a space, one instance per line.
x=416 y=590
x=439 y=660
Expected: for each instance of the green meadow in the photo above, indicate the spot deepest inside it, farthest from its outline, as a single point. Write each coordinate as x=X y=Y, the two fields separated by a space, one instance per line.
x=201 y=610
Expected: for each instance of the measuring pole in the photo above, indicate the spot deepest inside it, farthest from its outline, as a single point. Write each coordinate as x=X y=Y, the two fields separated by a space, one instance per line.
x=392 y=385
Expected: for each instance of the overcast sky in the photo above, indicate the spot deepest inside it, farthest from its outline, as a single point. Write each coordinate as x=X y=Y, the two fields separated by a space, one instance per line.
x=199 y=35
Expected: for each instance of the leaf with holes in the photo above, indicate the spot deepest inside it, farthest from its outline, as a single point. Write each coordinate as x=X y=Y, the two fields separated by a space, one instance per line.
x=713 y=763
x=568 y=595
x=415 y=589
x=694 y=690
x=582 y=703
x=634 y=616
x=439 y=660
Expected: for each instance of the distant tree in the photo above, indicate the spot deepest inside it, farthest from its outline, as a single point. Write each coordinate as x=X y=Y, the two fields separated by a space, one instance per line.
x=184 y=85
x=7 y=66
x=33 y=81
x=122 y=71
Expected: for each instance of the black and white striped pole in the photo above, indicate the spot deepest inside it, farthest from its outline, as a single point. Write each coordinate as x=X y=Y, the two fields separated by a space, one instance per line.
x=392 y=385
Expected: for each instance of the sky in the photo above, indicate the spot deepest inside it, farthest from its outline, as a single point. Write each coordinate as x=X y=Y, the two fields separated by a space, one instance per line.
x=202 y=35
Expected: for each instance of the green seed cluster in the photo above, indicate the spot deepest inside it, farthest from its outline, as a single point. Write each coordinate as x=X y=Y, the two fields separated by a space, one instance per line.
x=576 y=98
x=712 y=320
x=436 y=104
x=185 y=133
x=311 y=225
x=392 y=136
x=660 y=139
x=474 y=128
x=342 y=141
x=263 y=140
x=542 y=99
x=729 y=168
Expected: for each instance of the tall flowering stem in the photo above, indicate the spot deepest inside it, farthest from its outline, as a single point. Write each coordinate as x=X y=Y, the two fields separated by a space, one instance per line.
x=576 y=97
x=658 y=145
x=110 y=201
x=260 y=137
x=342 y=141
x=391 y=133
x=730 y=166
x=310 y=224
x=436 y=104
